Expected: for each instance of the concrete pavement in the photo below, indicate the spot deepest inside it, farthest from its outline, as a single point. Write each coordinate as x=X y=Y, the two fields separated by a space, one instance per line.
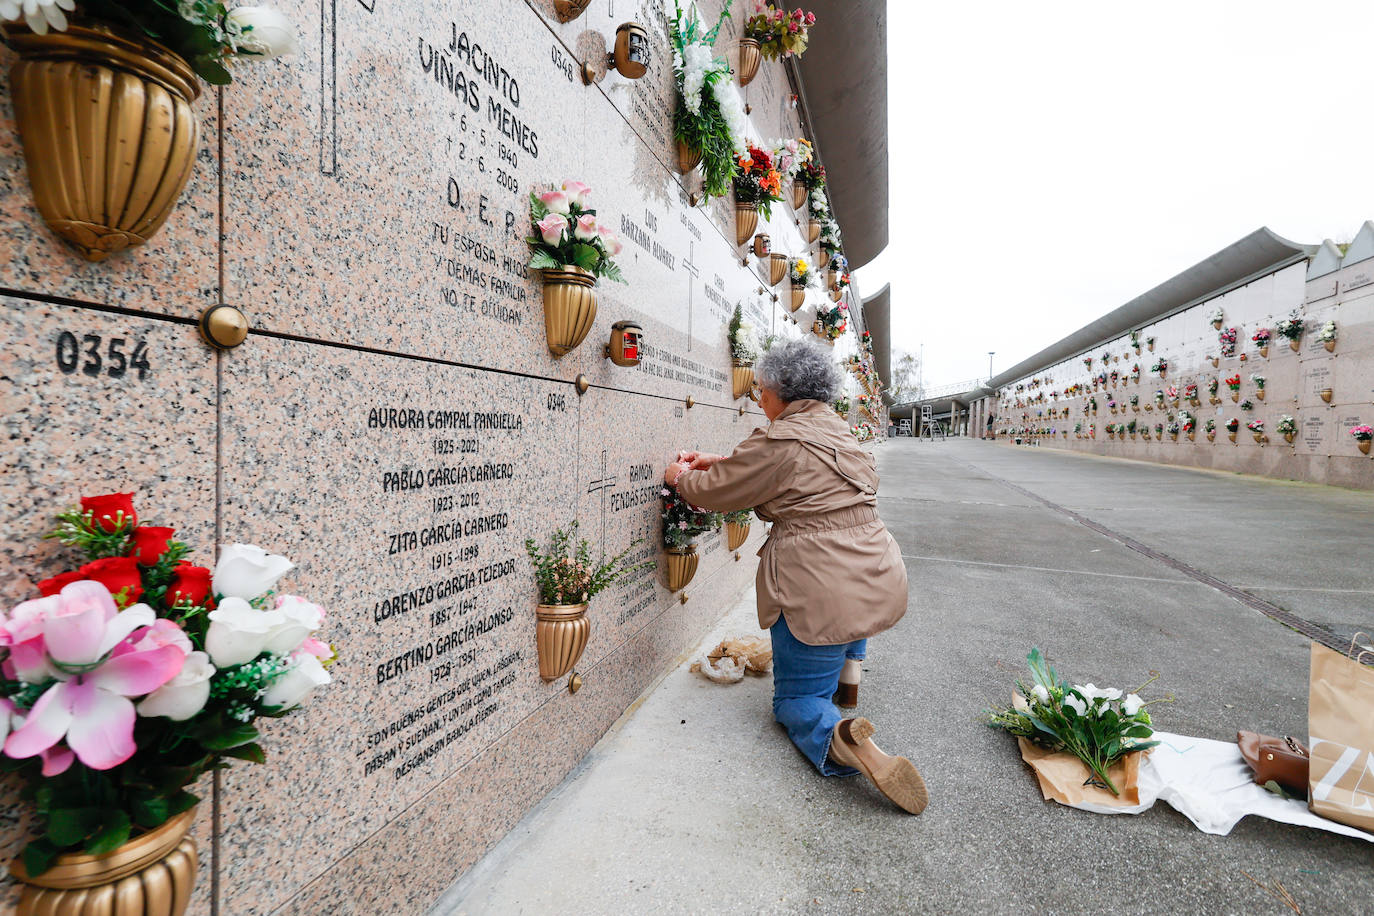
x=696 y=802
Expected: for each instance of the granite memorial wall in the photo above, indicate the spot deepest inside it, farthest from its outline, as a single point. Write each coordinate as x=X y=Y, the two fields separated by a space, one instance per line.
x=1325 y=387
x=394 y=422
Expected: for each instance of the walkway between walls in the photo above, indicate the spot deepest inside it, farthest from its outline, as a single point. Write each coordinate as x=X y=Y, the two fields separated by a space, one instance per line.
x=696 y=802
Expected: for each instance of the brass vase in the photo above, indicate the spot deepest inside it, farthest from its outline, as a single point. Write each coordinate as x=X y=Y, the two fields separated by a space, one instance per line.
x=813 y=230
x=1231 y=436
x=568 y=10
x=1289 y=437
x=1264 y=351
x=1326 y=394
x=735 y=535
x=1294 y=343
x=560 y=635
x=1217 y=324
x=799 y=195
x=824 y=260
x=746 y=221
x=749 y=58
x=798 y=296
x=1259 y=394
x=681 y=563
x=109 y=135
x=777 y=268
x=569 y=307
x=1363 y=445
x=1259 y=437
x=1330 y=346
x=741 y=377
x=149 y=875
x=688 y=157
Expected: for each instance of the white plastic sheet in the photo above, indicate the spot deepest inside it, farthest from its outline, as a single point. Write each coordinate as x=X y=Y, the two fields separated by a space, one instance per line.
x=1211 y=784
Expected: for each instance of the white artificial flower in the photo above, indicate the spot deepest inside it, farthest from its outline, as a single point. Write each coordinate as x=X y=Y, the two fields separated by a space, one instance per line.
x=245 y=571
x=732 y=110
x=1132 y=704
x=239 y=632
x=261 y=32
x=39 y=14
x=184 y=695
x=291 y=688
x=299 y=618
x=1041 y=694
x=1078 y=705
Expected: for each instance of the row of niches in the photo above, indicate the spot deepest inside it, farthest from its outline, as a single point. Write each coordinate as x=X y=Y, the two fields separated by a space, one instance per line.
x=1173 y=425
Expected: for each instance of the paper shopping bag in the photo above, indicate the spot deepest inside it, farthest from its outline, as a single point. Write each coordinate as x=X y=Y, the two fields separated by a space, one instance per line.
x=1340 y=725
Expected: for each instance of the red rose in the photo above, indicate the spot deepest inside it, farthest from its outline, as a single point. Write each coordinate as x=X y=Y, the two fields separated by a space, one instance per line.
x=106 y=509
x=189 y=584
x=150 y=543
x=57 y=583
x=116 y=574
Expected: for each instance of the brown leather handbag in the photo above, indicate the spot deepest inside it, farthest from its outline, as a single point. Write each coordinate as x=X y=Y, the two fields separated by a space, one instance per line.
x=1281 y=760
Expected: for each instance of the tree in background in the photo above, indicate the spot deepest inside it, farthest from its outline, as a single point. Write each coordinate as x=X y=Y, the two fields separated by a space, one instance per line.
x=905 y=373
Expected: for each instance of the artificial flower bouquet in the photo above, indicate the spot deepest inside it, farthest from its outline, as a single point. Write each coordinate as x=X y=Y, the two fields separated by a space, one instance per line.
x=1227 y=340
x=566 y=232
x=1261 y=337
x=1160 y=367
x=802 y=273
x=1095 y=724
x=1287 y=426
x=833 y=321
x=1233 y=382
x=205 y=33
x=757 y=181
x=567 y=574
x=842 y=406
x=138 y=671
x=792 y=156
x=744 y=340
x=1291 y=327
x=811 y=175
x=709 y=116
x=778 y=32
x=1256 y=426
x=1362 y=433
x=1328 y=332
x=682 y=521
x=1232 y=425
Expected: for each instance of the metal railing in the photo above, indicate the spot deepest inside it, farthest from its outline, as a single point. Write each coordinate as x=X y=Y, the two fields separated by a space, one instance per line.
x=924 y=392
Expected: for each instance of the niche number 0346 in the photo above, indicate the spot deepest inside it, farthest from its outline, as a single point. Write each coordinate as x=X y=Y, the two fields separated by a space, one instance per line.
x=95 y=355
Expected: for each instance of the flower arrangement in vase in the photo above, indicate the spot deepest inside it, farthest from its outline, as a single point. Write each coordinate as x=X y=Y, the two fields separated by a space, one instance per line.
x=744 y=351
x=1290 y=329
x=831 y=323
x=1160 y=367
x=801 y=275
x=811 y=177
x=1135 y=373
x=1173 y=430
x=136 y=673
x=1362 y=435
x=1088 y=363
x=1171 y=395
x=99 y=181
x=1159 y=431
x=1187 y=423
x=1287 y=427
x=818 y=214
x=842 y=406
x=1261 y=341
x=1233 y=382
x=1327 y=336
x=1159 y=397
x=709 y=124
x=1150 y=344
x=1210 y=427
x=1135 y=341
x=758 y=185
x=567 y=578
x=1135 y=403
x=682 y=524
x=1259 y=381
x=1217 y=317
x=1247 y=404
x=778 y=32
x=1190 y=393
x=1131 y=428
x=573 y=250
x=1227 y=341
x=1256 y=428
x=1212 y=386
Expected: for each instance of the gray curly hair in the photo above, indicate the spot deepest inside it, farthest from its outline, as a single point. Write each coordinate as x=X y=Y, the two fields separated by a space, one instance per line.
x=798 y=369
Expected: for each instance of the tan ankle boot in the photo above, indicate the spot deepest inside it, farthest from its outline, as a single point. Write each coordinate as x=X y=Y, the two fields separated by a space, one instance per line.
x=896 y=777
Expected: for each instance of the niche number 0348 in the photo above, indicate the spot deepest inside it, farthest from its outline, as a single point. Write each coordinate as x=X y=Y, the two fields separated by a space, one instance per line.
x=94 y=355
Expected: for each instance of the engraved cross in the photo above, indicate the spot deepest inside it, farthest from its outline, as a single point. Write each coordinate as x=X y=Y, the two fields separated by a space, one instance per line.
x=695 y=271
x=602 y=485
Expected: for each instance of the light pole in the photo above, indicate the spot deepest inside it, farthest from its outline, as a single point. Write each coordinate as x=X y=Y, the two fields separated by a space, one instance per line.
x=991 y=353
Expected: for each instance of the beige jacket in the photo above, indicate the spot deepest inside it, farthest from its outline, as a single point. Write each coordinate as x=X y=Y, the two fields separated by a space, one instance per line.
x=829 y=564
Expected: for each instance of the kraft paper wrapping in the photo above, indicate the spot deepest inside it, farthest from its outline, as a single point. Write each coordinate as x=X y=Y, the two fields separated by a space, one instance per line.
x=1340 y=725
x=1062 y=778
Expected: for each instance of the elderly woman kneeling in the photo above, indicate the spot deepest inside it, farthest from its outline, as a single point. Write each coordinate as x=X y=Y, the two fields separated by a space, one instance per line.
x=830 y=575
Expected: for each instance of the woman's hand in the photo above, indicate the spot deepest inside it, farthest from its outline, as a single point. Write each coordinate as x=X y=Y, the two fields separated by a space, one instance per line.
x=700 y=461
x=672 y=472
x=688 y=457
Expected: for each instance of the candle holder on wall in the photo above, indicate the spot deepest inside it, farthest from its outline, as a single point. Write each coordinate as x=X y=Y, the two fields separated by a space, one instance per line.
x=629 y=56
x=762 y=245
x=626 y=339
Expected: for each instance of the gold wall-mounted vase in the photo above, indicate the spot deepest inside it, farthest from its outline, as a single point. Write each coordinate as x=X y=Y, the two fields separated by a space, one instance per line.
x=735 y=535
x=741 y=378
x=799 y=195
x=749 y=59
x=568 y=10
x=560 y=634
x=777 y=268
x=688 y=158
x=813 y=230
x=569 y=307
x=1363 y=445
x=1326 y=395
x=836 y=295
x=1294 y=344
x=746 y=221
x=1330 y=346
x=798 y=296
x=109 y=135
x=149 y=875
x=681 y=564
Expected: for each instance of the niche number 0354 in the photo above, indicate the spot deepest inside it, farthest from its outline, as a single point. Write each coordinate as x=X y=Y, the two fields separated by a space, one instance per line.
x=95 y=355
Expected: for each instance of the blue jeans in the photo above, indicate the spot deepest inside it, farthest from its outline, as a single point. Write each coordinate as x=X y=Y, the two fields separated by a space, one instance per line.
x=804 y=681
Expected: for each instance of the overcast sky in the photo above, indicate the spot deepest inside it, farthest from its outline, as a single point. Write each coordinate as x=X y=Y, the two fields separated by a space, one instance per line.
x=1051 y=161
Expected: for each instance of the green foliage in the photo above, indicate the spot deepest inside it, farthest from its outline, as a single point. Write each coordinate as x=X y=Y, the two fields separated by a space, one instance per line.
x=193 y=29
x=706 y=129
x=739 y=517
x=683 y=522
x=568 y=575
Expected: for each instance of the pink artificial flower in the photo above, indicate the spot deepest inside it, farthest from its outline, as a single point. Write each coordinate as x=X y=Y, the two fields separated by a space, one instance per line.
x=556 y=201
x=585 y=229
x=578 y=193
x=92 y=709
x=610 y=241
x=22 y=632
x=317 y=648
x=551 y=228
x=163 y=632
x=793 y=27
x=810 y=19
